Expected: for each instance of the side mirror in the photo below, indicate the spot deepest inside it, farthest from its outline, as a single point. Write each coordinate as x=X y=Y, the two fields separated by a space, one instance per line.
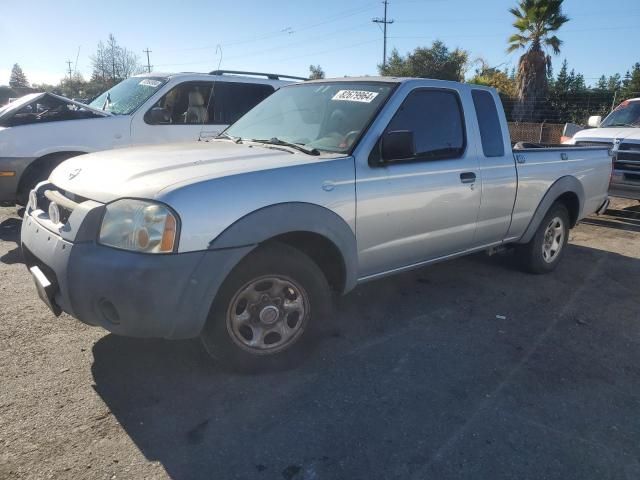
x=594 y=121
x=397 y=145
x=157 y=115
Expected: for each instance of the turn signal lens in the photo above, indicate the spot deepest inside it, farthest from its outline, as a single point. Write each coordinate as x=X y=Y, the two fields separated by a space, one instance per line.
x=139 y=226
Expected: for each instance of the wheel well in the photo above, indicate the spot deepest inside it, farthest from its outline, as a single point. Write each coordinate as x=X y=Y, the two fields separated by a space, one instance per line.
x=46 y=163
x=572 y=202
x=322 y=251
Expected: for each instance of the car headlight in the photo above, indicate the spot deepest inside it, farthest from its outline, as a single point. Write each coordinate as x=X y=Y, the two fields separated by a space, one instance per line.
x=140 y=226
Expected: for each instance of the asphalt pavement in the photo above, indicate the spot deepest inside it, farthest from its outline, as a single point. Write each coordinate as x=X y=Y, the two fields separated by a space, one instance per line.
x=469 y=369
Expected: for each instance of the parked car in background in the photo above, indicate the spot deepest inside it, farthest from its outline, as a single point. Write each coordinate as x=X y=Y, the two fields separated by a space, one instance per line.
x=39 y=131
x=620 y=130
x=322 y=186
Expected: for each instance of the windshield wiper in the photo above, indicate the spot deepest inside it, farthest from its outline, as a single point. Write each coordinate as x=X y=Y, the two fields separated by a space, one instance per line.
x=230 y=137
x=284 y=143
x=621 y=125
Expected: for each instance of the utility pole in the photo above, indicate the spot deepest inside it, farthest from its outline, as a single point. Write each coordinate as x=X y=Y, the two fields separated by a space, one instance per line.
x=69 y=62
x=384 y=21
x=147 y=51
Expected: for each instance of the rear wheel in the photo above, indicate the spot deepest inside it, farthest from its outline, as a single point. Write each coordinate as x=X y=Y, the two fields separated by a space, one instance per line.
x=545 y=250
x=266 y=310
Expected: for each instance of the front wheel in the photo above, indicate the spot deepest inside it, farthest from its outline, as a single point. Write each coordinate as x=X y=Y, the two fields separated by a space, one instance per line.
x=543 y=253
x=266 y=309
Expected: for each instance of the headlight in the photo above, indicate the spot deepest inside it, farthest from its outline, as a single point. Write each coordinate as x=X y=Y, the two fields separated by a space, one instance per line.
x=140 y=226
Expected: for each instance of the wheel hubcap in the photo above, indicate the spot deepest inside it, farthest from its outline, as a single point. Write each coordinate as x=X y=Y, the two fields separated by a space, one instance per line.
x=268 y=314
x=553 y=240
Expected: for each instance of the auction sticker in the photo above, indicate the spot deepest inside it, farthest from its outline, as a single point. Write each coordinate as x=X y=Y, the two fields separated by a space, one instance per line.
x=355 y=96
x=147 y=82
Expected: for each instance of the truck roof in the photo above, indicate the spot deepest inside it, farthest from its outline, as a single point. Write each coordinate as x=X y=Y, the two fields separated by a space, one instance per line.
x=430 y=82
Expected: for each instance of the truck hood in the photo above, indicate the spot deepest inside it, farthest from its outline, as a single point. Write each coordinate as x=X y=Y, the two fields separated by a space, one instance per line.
x=607 y=134
x=9 y=110
x=145 y=172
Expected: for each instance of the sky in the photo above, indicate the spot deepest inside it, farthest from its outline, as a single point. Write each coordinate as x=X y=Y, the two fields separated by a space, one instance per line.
x=286 y=37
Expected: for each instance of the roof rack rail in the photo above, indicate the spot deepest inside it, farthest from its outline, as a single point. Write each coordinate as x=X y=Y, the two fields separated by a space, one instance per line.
x=270 y=76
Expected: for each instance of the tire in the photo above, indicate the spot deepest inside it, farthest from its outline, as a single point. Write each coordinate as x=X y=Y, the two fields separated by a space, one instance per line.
x=39 y=171
x=547 y=247
x=265 y=312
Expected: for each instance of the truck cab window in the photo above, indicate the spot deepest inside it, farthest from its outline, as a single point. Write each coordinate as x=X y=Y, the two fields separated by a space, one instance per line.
x=489 y=123
x=435 y=118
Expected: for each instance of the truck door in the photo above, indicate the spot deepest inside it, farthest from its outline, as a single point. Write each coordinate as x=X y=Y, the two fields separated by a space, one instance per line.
x=497 y=170
x=425 y=207
x=178 y=116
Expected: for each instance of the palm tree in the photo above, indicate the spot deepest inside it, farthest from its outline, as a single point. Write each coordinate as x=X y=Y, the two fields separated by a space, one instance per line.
x=536 y=21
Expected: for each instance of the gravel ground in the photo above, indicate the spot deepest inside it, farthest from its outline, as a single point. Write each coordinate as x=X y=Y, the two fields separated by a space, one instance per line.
x=466 y=369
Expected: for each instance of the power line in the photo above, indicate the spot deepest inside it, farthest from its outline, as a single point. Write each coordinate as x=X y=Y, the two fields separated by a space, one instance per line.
x=384 y=22
x=283 y=31
x=279 y=47
x=305 y=55
x=147 y=51
x=69 y=62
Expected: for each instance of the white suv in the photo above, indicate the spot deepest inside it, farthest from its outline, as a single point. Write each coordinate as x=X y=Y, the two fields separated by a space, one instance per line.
x=39 y=131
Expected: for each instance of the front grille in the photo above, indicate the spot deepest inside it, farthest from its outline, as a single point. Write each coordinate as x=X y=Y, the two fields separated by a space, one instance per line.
x=43 y=202
x=628 y=159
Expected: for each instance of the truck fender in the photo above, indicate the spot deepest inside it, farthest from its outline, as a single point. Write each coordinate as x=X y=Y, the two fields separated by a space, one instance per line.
x=566 y=184
x=294 y=217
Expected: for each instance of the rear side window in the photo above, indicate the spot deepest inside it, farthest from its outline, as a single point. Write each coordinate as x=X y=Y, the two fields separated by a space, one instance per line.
x=435 y=117
x=232 y=100
x=489 y=122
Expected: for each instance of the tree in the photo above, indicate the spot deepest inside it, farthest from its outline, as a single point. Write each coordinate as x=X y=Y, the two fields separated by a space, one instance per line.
x=602 y=83
x=436 y=61
x=113 y=63
x=614 y=82
x=492 y=77
x=535 y=21
x=315 y=72
x=18 y=78
x=632 y=83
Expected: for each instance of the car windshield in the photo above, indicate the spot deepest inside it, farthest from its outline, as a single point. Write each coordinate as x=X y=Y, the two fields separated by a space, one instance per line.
x=627 y=114
x=128 y=95
x=327 y=116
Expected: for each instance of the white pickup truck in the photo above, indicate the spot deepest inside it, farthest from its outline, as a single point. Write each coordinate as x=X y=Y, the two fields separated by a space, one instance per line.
x=39 y=131
x=322 y=186
x=620 y=130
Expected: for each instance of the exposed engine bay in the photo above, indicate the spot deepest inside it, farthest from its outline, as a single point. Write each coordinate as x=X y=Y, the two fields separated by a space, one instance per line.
x=44 y=108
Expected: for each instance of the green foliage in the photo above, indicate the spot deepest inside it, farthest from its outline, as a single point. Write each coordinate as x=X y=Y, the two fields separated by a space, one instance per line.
x=535 y=20
x=18 y=78
x=315 y=72
x=492 y=77
x=631 y=83
x=436 y=62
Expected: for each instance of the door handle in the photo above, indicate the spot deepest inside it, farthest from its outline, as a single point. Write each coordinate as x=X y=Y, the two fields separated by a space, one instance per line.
x=467 y=177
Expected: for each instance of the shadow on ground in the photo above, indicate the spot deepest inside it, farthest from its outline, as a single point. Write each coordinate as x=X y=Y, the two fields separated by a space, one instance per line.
x=467 y=369
x=10 y=232
x=627 y=218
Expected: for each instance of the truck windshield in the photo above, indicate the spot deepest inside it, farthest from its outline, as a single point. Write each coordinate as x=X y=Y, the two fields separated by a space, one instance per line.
x=327 y=116
x=627 y=114
x=125 y=97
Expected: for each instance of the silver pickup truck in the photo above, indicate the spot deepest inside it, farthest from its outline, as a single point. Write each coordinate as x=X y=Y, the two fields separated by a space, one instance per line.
x=324 y=185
